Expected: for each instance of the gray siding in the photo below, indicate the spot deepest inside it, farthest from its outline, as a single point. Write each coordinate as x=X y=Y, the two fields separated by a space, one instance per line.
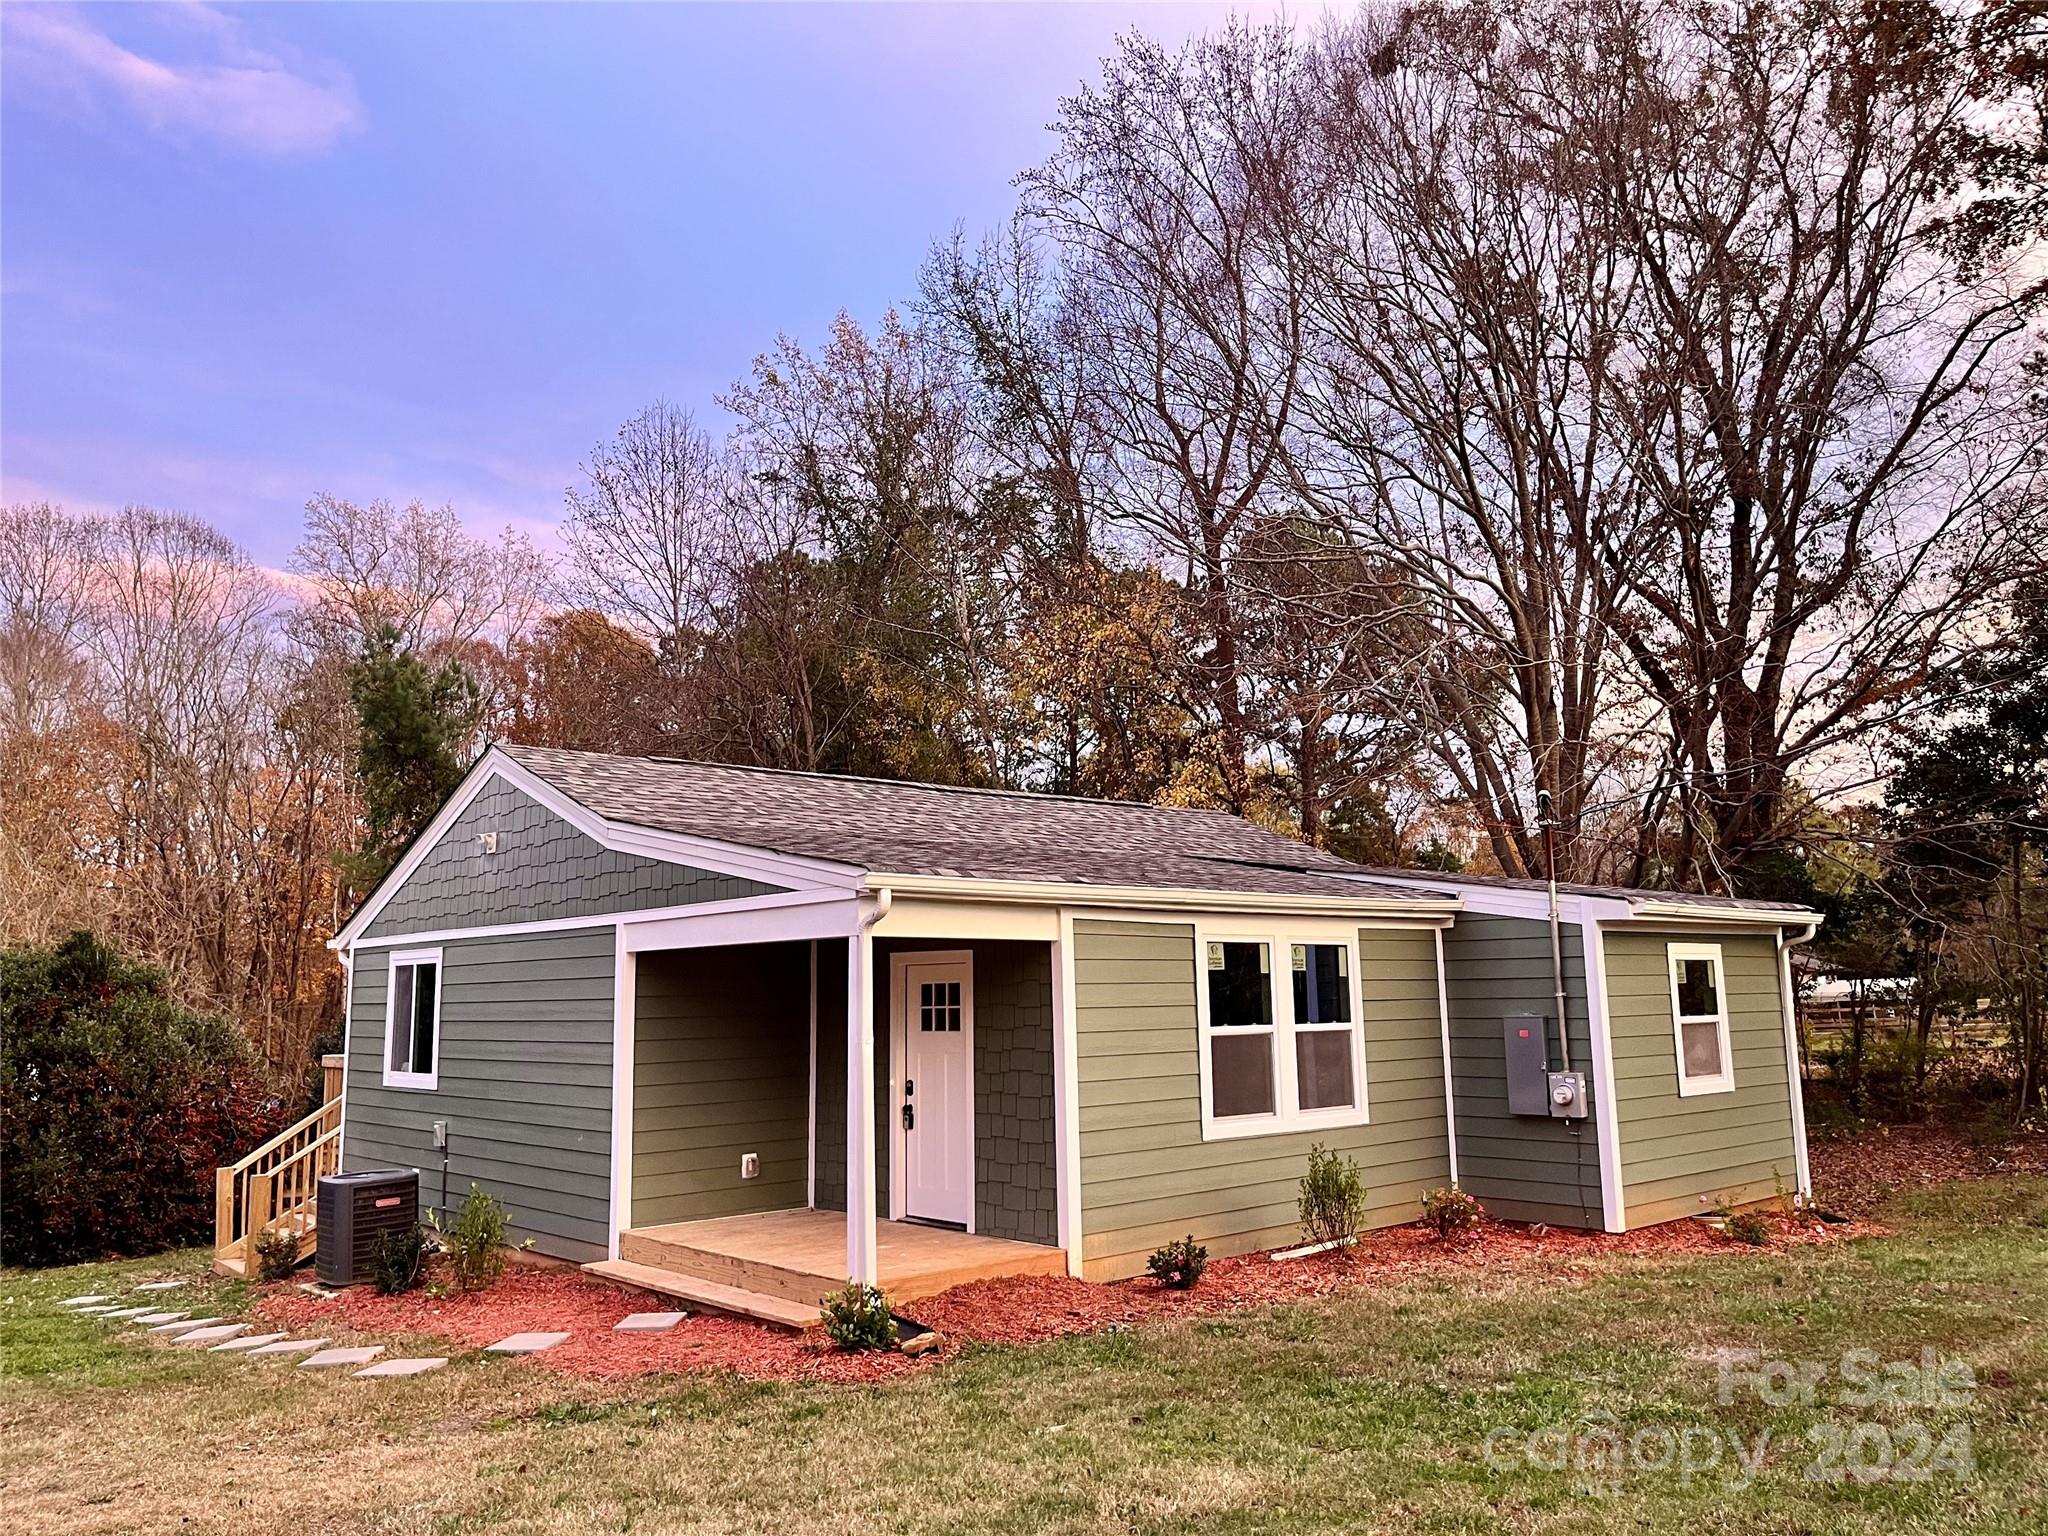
x=525 y=1069
x=1523 y=1167
x=1680 y=1156
x=544 y=870
x=1015 y=1178
x=721 y=1067
x=1146 y=1174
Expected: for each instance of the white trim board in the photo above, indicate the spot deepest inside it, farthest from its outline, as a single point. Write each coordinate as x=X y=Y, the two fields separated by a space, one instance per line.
x=772 y=902
x=625 y=997
x=1066 y=1097
x=1606 y=1110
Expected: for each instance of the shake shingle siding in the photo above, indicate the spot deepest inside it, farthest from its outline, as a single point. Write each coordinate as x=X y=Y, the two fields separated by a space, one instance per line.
x=525 y=1072
x=1147 y=1176
x=544 y=870
x=1522 y=1167
x=1680 y=1156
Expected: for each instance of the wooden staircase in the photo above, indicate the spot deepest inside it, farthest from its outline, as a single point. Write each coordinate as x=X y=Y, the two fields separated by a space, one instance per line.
x=276 y=1186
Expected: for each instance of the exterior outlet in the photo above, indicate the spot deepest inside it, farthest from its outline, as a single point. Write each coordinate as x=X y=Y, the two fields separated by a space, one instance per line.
x=750 y=1165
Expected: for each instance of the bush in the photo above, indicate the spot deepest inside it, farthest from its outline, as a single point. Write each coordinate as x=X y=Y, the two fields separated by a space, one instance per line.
x=1179 y=1264
x=857 y=1317
x=277 y=1254
x=116 y=1106
x=476 y=1242
x=1748 y=1227
x=1450 y=1212
x=398 y=1259
x=1332 y=1203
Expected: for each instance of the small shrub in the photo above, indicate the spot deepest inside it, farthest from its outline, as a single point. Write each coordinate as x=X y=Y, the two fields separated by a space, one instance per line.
x=1450 y=1212
x=857 y=1317
x=476 y=1242
x=397 y=1259
x=1332 y=1202
x=1749 y=1227
x=277 y=1254
x=1179 y=1264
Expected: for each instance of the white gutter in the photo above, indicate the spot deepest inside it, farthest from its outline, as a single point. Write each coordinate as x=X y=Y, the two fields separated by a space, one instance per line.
x=1680 y=910
x=1432 y=911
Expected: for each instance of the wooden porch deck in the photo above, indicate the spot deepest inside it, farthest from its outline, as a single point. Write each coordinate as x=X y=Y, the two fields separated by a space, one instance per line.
x=778 y=1265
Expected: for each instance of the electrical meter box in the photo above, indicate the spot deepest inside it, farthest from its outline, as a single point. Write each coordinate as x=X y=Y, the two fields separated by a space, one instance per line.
x=1567 y=1095
x=1526 y=1038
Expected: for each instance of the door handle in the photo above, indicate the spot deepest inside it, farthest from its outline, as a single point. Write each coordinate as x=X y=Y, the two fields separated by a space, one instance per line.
x=909 y=1117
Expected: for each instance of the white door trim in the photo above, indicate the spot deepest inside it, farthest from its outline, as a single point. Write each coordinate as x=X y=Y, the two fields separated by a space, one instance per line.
x=899 y=1054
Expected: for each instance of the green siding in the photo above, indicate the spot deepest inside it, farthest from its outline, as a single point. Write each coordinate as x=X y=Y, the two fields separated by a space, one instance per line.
x=544 y=870
x=525 y=1070
x=721 y=1067
x=1523 y=1167
x=1146 y=1174
x=1680 y=1156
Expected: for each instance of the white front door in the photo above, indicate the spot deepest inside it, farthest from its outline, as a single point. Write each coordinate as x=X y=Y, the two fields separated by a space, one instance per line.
x=935 y=1089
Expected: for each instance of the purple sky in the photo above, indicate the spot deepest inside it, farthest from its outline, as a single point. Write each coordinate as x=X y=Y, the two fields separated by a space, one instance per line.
x=250 y=254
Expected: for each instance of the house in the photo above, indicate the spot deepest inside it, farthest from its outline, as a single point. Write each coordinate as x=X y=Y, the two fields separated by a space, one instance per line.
x=739 y=1034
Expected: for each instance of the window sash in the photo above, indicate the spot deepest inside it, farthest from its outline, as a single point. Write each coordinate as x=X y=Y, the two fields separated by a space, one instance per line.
x=1688 y=1024
x=412 y=1028
x=1283 y=1036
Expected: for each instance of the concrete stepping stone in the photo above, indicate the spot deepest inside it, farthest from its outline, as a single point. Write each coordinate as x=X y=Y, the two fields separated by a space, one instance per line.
x=400 y=1367
x=99 y=1311
x=525 y=1344
x=160 y=1285
x=82 y=1301
x=150 y=1319
x=328 y=1357
x=186 y=1324
x=212 y=1335
x=648 y=1322
x=289 y=1347
x=254 y=1341
x=119 y=1313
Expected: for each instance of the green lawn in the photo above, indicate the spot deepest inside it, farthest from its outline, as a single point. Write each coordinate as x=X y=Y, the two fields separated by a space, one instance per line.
x=1369 y=1412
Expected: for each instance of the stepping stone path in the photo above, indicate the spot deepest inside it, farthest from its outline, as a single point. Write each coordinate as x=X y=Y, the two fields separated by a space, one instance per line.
x=120 y=1312
x=648 y=1322
x=100 y=1310
x=82 y=1301
x=149 y=1319
x=525 y=1344
x=401 y=1367
x=212 y=1335
x=185 y=1324
x=289 y=1347
x=327 y=1357
x=257 y=1341
x=160 y=1285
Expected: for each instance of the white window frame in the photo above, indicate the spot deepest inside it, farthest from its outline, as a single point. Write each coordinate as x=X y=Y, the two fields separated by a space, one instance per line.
x=418 y=1081
x=1287 y=1116
x=1718 y=1082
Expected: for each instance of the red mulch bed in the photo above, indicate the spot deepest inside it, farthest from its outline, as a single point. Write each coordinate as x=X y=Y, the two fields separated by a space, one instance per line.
x=1014 y=1311
x=1857 y=1174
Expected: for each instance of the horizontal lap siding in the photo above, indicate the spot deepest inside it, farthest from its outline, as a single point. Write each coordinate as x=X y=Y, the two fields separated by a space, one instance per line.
x=1522 y=1167
x=525 y=1083
x=1680 y=1156
x=544 y=870
x=721 y=1067
x=1146 y=1174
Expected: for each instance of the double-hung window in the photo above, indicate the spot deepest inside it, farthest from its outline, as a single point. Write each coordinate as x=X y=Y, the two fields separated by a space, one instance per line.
x=1283 y=1043
x=412 y=1020
x=1699 y=1019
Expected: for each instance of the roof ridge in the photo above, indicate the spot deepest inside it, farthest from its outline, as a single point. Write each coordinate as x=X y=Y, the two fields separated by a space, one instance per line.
x=870 y=778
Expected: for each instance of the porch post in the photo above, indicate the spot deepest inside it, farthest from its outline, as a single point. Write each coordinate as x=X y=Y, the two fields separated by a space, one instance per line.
x=860 y=1104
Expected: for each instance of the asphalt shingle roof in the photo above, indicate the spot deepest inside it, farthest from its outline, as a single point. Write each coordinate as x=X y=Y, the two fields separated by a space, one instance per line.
x=889 y=827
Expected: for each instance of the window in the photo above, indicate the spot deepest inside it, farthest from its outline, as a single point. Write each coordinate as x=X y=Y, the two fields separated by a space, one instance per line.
x=1281 y=1050
x=1699 y=1019
x=412 y=1023
x=938 y=1007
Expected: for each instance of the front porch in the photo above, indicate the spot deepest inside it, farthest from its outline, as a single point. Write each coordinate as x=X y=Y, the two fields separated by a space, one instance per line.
x=794 y=1110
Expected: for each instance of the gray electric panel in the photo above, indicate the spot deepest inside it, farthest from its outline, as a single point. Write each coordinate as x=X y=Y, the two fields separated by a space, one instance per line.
x=1526 y=1038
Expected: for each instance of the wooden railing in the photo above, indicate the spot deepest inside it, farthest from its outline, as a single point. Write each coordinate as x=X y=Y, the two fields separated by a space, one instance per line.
x=277 y=1184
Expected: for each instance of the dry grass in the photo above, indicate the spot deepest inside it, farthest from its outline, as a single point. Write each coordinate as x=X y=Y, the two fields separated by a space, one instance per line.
x=1365 y=1411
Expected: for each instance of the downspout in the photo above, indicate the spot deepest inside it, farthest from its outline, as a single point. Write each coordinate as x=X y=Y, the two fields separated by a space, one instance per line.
x=1795 y=1078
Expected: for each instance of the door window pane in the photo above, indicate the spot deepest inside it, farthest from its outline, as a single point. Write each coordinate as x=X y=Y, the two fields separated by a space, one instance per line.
x=1241 y=1074
x=1322 y=984
x=1702 y=1048
x=1240 y=989
x=1322 y=1064
x=1699 y=992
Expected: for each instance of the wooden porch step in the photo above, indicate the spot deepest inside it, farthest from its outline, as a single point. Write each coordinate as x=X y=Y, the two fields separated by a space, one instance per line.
x=709 y=1294
x=754 y=1272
